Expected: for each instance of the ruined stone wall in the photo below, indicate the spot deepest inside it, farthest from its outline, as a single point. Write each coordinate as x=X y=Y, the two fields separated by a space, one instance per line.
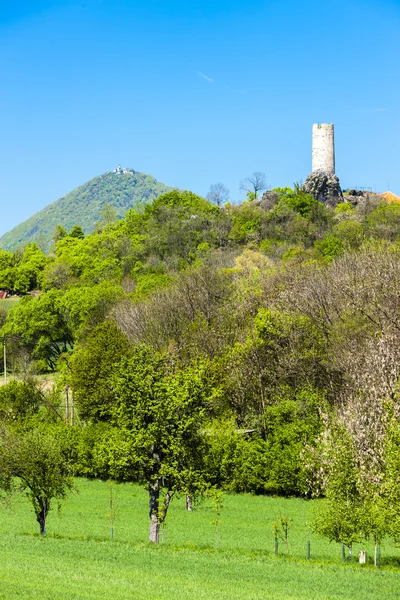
x=323 y=148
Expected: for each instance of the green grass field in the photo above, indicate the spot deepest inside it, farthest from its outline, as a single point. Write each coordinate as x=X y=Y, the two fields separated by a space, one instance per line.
x=10 y=302
x=78 y=560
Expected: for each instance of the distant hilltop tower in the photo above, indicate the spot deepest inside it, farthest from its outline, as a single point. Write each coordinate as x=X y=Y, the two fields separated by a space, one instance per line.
x=323 y=148
x=322 y=183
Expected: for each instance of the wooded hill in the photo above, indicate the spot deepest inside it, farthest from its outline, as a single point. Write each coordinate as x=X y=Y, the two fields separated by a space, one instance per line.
x=250 y=348
x=121 y=189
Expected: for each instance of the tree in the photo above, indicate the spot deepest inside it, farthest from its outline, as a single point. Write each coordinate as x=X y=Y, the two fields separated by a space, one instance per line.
x=49 y=325
x=91 y=367
x=389 y=519
x=159 y=411
x=42 y=326
x=36 y=457
x=283 y=354
x=254 y=184
x=218 y=194
x=77 y=232
x=58 y=234
x=57 y=274
x=342 y=516
x=8 y=265
x=108 y=216
x=85 y=307
x=19 y=399
x=28 y=269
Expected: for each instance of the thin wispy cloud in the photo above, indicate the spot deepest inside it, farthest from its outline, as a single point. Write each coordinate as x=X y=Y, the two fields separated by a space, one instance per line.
x=206 y=77
x=235 y=91
x=227 y=87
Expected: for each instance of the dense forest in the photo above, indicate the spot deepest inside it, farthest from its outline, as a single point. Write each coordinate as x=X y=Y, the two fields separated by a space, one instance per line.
x=197 y=347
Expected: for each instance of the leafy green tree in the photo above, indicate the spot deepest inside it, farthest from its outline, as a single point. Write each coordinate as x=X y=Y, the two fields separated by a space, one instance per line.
x=40 y=324
x=377 y=520
x=71 y=252
x=58 y=234
x=28 y=274
x=85 y=307
x=108 y=254
x=283 y=354
x=350 y=232
x=76 y=232
x=22 y=272
x=290 y=424
x=99 y=449
x=329 y=247
x=8 y=262
x=246 y=223
x=57 y=274
x=49 y=325
x=160 y=412
x=35 y=456
x=176 y=224
x=240 y=460
x=391 y=484
x=91 y=368
x=19 y=399
x=342 y=517
x=302 y=203
x=384 y=221
x=108 y=216
x=248 y=463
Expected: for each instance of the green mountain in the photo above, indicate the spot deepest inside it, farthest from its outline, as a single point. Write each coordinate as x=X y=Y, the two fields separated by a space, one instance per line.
x=121 y=188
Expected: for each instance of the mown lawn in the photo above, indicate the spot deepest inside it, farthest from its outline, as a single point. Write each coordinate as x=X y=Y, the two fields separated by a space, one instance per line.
x=77 y=559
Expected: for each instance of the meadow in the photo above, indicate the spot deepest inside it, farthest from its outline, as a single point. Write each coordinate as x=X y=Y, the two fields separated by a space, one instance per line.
x=77 y=559
x=7 y=303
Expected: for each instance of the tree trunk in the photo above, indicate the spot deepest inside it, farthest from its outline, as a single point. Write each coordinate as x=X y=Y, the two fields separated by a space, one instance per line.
x=41 y=517
x=167 y=500
x=154 y=535
x=188 y=502
x=154 y=496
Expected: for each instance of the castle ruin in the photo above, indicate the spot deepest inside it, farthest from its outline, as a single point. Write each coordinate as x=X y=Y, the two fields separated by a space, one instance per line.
x=323 y=148
x=322 y=183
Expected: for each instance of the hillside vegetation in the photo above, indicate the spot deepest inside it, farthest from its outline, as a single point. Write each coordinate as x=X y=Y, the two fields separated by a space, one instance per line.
x=121 y=189
x=249 y=348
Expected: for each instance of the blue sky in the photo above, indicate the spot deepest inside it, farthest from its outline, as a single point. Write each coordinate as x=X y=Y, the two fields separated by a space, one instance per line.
x=193 y=92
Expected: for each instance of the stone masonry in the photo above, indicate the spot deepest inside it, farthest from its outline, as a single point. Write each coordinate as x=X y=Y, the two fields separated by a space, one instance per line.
x=323 y=148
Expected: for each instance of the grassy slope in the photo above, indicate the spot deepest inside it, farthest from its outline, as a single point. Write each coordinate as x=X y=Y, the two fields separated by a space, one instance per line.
x=78 y=560
x=83 y=206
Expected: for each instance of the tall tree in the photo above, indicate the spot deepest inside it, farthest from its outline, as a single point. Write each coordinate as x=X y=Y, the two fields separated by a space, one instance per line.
x=160 y=411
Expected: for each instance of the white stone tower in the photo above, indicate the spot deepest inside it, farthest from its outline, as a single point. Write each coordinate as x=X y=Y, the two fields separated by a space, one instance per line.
x=323 y=148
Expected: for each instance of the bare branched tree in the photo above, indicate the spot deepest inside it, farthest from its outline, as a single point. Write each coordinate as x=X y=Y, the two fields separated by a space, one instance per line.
x=254 y=184
x=218 y=194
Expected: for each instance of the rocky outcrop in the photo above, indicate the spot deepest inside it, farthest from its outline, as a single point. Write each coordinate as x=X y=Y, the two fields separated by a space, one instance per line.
x=324 y=186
